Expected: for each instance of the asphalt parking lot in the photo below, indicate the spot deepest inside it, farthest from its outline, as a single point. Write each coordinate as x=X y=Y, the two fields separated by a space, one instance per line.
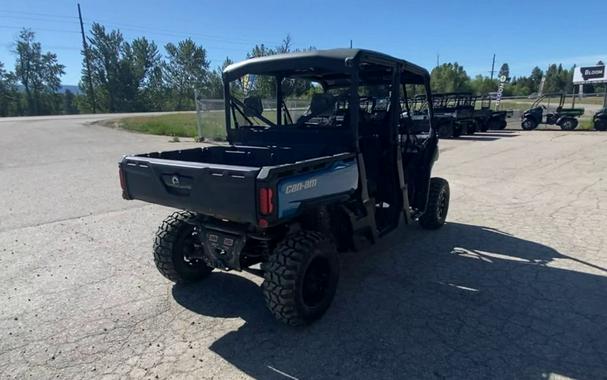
x=514 y=286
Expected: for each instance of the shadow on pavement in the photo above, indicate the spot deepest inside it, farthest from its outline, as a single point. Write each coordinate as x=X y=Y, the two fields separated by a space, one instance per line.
x=498 y=134
x=462 y=302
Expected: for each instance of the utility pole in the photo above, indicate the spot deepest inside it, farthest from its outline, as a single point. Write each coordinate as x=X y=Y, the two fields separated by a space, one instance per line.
x=437 y=59
x=493 y=66
x=87 y=62
x=350 y=44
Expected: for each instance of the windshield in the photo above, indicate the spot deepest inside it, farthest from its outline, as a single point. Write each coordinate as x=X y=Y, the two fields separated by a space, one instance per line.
x=255 y=103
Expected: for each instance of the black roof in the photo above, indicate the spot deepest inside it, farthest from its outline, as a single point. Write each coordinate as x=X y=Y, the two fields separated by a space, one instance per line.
x=332 y=67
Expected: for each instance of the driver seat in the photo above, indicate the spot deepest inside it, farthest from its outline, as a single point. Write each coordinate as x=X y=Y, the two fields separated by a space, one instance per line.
x=320 y=105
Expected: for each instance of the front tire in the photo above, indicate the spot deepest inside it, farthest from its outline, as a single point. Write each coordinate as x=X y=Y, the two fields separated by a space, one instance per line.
x=174 y=249
x=529 y=124
x=438 y=205
x=301 y=277
x=600 y=125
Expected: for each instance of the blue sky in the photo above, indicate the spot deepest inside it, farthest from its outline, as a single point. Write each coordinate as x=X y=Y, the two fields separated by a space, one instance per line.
x=522 y=33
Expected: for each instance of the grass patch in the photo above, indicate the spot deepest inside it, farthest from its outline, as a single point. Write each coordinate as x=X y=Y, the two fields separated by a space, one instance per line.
x=177 y=124
x=586 y=124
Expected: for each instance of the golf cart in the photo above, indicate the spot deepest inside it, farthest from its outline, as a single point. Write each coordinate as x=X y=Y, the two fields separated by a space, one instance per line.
x=287 y=194
x=566 y=118
x=599 y=120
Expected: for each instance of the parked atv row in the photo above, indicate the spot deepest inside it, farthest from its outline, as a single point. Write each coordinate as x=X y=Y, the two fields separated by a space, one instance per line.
x=461 y=113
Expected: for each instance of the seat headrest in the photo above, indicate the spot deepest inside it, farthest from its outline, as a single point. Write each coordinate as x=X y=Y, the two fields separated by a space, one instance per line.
x=253 y=106
x=322 y=104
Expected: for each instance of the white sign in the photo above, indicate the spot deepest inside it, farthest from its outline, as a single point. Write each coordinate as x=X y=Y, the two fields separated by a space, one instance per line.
x=500 y=90
x=589 y=74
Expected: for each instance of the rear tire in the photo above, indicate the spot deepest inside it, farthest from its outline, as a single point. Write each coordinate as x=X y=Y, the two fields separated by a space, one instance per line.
x=438 y=205
x=457 y=131
x=175 y=241
x=497 y=125
x=470 y=129
x=301 y=277
x=529 y=124
x=568 y=124
x=445 y=131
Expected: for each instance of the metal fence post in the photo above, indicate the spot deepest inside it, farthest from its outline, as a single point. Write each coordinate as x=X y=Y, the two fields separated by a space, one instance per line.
x=200 y=137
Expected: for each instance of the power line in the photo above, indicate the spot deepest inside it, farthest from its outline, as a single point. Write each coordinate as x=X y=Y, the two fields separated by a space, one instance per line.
x=136 y=28
x=39 y=14
x=16 y=27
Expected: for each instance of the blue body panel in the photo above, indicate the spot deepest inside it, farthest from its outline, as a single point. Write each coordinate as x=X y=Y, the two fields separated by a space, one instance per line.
x=339 y=178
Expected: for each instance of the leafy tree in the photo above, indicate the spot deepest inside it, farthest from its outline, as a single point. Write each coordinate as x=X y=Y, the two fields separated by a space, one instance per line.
x=145 y=73
x=265 y=86
x=482 y=85
x=521 y=86
x=450 y=77
x=9 y=97
x=69 y=103
x=536 y=78
x=39 y=73
x=120 y=71
x=558 y=79
x=504 y=70
x=106 y=57
x=187 y=70
x=214 y=88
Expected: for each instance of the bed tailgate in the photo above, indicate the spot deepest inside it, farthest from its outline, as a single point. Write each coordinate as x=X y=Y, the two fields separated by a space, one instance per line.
x=223 y=191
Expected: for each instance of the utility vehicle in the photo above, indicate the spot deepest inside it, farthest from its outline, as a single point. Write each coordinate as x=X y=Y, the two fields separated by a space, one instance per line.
x=286 y=195
x=454 y=113
x=599 y=120
x=487 y=119
x=566 y=118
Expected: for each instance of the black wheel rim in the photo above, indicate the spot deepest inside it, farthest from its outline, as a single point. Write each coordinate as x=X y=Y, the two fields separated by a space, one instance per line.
x=442 y=205
x=316 y=282
x=186 y=248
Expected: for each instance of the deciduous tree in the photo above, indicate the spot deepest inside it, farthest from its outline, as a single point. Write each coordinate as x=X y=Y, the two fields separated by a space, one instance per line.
x=39 y=73
x=187 y=70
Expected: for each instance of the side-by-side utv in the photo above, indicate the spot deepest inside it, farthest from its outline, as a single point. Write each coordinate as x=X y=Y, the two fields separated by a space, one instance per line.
x=566 y=118
x=487 y=119
x=599 y=120
x=453 y=113
x=287 y=194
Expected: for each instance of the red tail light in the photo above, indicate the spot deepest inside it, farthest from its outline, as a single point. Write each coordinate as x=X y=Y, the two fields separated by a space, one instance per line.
x=266 y=206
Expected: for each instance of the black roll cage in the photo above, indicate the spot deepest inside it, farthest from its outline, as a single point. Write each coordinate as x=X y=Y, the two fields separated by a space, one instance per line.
x=336 y=68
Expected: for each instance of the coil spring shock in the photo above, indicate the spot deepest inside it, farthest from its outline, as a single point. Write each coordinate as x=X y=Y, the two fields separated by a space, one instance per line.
x=264 y=248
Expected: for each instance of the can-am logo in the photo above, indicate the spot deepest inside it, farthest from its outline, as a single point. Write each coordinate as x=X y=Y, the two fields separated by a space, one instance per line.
x=593 y=72
x=304 y=185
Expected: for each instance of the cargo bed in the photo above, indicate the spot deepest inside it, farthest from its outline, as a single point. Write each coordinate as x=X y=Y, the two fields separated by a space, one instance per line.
x=216 y=181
